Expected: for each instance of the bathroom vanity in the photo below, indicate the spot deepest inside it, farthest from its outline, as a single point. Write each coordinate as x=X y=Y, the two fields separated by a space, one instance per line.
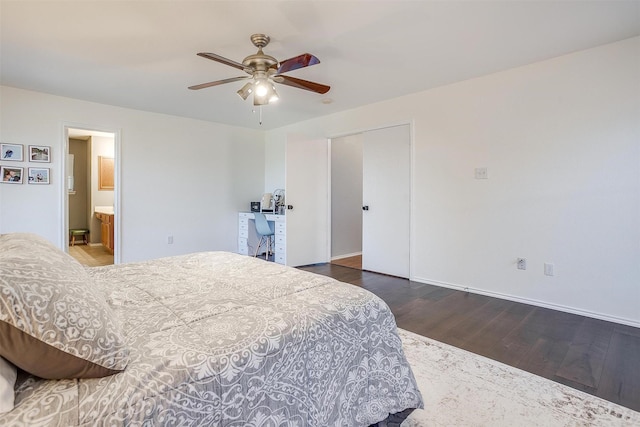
x=106 y=216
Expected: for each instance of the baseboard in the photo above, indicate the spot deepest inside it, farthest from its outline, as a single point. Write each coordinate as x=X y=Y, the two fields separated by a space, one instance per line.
x=537 y=303
x=345 y=256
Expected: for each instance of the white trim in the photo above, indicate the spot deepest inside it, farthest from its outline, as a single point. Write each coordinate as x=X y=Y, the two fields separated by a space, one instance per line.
x=329 y=212
x=345 y=256
x=537 y=303
x=413 y=214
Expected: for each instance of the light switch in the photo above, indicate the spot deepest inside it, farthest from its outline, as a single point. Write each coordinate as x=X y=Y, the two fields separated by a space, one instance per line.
x=481 y=173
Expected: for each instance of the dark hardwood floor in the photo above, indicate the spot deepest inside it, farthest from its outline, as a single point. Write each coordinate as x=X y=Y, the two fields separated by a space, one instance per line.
x=598 y=357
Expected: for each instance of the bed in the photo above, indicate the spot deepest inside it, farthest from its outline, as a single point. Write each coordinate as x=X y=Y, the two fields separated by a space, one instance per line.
x=204 y=339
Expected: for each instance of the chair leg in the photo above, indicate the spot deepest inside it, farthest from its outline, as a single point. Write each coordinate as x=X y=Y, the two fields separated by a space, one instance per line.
x=258 y=247
x=266 y=254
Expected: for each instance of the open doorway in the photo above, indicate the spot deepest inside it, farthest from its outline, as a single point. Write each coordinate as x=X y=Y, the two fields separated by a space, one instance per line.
x=90 y=219
x=370 y=200
x=346 y=201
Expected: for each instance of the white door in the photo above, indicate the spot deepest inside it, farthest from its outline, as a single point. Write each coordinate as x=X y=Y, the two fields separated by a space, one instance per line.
x=306 y=190
x=386 y=170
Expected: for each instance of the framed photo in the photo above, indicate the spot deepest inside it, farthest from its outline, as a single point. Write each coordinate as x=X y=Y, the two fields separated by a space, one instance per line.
x=11 y=152
x=11 y=175
x=39 y=153
x=105 y=173
x=38 y=176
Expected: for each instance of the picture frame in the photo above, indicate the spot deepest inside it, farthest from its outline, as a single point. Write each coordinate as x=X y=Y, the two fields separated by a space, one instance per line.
x=38 y=176
x=40 y=153
x=105 y=173
x=11 y=175
x=11 y=152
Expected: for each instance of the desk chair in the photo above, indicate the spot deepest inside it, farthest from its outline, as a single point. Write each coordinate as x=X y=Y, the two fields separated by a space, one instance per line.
x=265 y=230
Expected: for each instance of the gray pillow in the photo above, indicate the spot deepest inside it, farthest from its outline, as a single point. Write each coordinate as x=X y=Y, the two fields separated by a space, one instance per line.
x=53 y=322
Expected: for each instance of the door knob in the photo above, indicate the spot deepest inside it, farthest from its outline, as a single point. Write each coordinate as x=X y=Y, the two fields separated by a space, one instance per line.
x=290 y=207
x=365 y=208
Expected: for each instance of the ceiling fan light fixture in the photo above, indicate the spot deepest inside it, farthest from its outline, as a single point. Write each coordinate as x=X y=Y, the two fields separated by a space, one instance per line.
x=262 y=88
x=265 y=92
x=273 y=95
x=246 y=90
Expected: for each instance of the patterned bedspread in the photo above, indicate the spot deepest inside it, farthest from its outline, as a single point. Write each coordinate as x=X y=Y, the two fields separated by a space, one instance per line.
x=222 y=339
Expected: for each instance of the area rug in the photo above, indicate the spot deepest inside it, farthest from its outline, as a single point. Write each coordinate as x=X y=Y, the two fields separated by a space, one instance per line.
x=463 y=389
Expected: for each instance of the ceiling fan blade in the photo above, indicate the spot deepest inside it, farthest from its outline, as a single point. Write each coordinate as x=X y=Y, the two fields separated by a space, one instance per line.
x=223 y=60
x=218 y=82
x=302 y=84
x=300 y=61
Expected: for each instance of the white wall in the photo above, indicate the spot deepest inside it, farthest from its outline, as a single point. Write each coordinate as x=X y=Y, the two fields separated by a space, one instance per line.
x=346 y=196
x=179 y=176
x=561 y=141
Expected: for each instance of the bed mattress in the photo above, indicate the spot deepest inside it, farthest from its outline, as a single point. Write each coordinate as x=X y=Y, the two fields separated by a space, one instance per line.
x=216 y=338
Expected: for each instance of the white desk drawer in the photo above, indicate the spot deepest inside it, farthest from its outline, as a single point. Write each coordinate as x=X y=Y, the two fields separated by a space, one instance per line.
x=280 y=239
x=279 y=258
x=243 y=249
x=280 y=248
x=281 y=228
x=243 y=233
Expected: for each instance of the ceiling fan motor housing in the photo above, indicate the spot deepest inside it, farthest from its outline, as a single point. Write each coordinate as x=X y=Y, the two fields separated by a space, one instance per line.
x=259 y=61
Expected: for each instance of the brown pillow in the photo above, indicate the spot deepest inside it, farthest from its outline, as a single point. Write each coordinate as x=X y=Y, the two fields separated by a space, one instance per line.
x=53 y=322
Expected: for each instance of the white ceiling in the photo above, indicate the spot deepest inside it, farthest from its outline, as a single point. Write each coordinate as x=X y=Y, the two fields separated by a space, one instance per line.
x=142 y=54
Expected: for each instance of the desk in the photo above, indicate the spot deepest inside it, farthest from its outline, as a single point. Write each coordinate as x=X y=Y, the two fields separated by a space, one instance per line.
x=280 y=246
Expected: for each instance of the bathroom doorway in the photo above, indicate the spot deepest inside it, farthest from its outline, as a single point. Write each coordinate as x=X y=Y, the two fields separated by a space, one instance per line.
x=90 y=194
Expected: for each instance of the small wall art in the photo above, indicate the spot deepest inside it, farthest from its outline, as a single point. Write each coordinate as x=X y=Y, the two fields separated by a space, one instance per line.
x=39 y=153
x=11 y=175
x=105 y=173
x=38 y=176
x=11 y=152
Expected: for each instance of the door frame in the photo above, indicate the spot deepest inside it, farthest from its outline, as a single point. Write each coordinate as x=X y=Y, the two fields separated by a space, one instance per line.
x=412 y=213
x=64 y=193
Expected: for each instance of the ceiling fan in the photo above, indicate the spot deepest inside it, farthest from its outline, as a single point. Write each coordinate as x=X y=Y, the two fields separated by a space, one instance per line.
x=264 y=71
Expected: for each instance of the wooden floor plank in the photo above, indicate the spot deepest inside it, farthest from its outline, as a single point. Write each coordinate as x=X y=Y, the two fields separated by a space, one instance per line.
x=446 y=313
x=351 y=262
x=489 y=340
x=585 y=358
x=545 y=357
x=622 y=380
x=91 y=255
x=462 y=333
x=542 y=334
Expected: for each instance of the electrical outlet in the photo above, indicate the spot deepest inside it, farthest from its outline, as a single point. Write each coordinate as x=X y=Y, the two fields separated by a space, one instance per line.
x=548 y=269
x=170 y=240
x=522 y=263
